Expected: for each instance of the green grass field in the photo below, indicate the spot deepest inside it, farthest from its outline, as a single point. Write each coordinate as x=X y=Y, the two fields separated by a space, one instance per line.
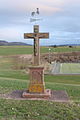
x=14 y=50
x=15 y=79
x=70 y=68
x=66 y=68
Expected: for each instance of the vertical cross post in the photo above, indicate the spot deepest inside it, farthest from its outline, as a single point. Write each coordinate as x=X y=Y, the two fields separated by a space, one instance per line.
x=36 y=46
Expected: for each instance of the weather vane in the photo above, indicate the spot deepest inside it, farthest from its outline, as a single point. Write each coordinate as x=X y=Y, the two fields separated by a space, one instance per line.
x=35 y=16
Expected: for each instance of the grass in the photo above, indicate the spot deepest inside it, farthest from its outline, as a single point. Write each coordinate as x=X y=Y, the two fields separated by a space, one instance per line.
x=9 y=84
x=70 y=68
x=11 y=79
x=15 y=50
x=60 y=49
x=66 y=79
x=38 y=110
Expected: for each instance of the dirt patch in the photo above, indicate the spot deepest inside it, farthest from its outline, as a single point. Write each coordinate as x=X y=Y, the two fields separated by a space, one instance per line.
x=71 y=57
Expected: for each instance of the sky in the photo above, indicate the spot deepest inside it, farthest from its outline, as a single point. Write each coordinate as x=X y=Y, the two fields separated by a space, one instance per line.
x=61 y=18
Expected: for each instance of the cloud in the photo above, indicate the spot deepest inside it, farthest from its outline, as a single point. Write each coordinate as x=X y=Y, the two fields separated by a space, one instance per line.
x=46 y=6
x=9 y=34
x=60 y=17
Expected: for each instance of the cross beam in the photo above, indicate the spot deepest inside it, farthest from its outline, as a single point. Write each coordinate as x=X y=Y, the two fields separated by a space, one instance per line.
x=33 y=35
x=36 y=36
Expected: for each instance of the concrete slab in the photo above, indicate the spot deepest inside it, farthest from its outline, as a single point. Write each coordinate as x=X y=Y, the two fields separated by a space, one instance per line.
x=53 y=95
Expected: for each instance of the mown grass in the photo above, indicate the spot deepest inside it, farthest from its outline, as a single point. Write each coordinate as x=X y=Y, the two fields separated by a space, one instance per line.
x=11 y=79
x=38 y=110
x=15 y=50
x=60 y=49
x=66 y=79
x=9 y=84
x=70 y=68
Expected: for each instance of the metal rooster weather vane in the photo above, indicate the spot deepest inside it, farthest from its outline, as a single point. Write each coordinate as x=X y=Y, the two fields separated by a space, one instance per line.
x=35 y=16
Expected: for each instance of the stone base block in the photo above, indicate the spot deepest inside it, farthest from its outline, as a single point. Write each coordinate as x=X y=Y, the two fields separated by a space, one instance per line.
x=45 y=95
x=36 y=88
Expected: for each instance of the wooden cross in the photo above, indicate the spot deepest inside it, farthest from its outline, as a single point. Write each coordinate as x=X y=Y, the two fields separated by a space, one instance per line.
x=36 y=36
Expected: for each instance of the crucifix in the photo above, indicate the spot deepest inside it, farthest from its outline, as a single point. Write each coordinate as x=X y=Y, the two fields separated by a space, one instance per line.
x=36 y=87
x=36 y=36
x=36 y=84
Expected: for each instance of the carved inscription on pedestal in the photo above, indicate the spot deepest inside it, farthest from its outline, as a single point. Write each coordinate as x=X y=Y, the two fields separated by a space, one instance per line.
x=37 y=77
x=36 y=80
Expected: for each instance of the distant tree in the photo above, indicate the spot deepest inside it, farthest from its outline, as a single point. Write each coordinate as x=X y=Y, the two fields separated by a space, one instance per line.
x=70 y=46
x=54 y=46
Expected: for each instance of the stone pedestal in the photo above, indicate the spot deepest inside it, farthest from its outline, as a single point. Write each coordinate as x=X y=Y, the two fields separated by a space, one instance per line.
x=45 y=95
x=37 y=86
x=36 y=80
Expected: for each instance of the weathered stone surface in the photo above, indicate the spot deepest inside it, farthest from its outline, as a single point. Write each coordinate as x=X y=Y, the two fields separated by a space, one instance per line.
x=45 y=95
x=59 y=96
x=51 y=95
x=36 y=88
x=36 y=80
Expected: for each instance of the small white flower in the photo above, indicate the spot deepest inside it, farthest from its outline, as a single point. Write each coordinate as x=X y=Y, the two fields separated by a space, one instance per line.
x=12 y=108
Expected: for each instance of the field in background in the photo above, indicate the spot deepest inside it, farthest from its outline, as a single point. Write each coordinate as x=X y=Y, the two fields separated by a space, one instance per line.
x=65 y=68
x=16 y=79
x=70 y=68
x=15 y=50
x=11 y=78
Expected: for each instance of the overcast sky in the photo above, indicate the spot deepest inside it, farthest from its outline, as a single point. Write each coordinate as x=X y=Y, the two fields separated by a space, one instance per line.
x=61 y=18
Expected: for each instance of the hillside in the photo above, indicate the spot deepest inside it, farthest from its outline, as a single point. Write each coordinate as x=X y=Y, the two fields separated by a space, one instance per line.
x=5 y=43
